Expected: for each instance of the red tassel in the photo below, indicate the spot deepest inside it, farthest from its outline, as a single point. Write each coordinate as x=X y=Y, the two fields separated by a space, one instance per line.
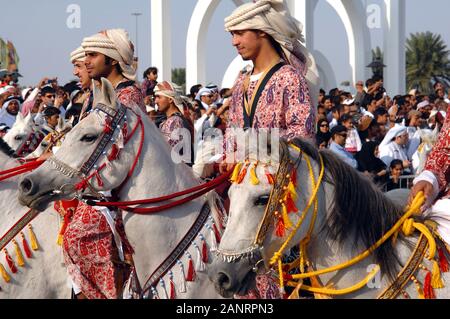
x=216 y=232
x=172 y=290
x=294 y=177
x=99 y=179
x=10 y=262
x=191 y=271
x=290 y=205
x=26 y=248
x=428 y=291
x=114 y=153
x=125 y=131
x=107 y=129
x=204 y=252
x=280 y=229
x=443 y=262
x=269 y=176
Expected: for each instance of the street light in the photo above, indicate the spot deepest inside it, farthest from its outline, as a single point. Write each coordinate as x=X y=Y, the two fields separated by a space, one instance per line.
x=137 y=14
x=377 y=66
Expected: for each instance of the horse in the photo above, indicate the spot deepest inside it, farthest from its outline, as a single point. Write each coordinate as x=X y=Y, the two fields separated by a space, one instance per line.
x=44 y=275
x=428 y=139
x=24 y=136
x=153 y=237
x=350 y=215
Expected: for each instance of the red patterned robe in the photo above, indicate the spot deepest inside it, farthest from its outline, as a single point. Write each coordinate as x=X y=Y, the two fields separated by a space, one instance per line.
x=438 y=161
x=89 y=247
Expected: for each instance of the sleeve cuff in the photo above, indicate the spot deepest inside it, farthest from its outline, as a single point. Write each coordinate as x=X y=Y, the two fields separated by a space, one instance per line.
x=429 y=177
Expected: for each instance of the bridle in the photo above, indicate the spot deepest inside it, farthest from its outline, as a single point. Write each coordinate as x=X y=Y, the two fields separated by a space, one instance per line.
x=30 y=143
x=115 y=121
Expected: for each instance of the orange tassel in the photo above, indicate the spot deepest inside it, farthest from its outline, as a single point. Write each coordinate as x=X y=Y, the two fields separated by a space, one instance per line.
x=280 y=229
x=443 y=262
x=26 y=248
x=10 y=261
x=242 y=174
x=428 y=291
x=269 y=176
x=290 y=205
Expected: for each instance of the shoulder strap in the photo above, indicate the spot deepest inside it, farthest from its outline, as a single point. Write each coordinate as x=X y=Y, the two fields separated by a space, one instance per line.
x=125 y=84
x=248 y=119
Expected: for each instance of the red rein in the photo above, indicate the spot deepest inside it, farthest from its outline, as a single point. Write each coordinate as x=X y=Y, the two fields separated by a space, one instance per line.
x=20 y=169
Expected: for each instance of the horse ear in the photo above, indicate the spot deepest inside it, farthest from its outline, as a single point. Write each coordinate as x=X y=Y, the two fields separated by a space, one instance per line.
x=19 y=117
x=60 y=124
x=28 y=118
x=109 y=93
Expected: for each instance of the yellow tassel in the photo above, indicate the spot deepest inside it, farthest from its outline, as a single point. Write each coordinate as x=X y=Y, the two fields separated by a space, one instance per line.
x=19 y=255
x=293 y=191
x=34 y=243
x=286 y=220
x=60 y=239
x=4 y=274
x=419 y=291
x=436 y=281
x=253 y=178
x=236 y=171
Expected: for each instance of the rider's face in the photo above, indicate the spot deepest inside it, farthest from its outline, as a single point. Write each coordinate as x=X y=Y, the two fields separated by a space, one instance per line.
x=247 y=42
x=97 y=66
x=80 y=71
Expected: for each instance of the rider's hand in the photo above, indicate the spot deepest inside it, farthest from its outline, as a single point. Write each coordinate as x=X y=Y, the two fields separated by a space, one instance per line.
x=427 y=189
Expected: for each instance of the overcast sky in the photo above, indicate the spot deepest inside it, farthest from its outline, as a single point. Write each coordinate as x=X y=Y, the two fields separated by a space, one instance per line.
x=44 y=41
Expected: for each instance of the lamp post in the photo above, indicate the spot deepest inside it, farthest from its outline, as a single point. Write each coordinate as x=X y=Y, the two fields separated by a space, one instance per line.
x=377 y=66
x=137 y=14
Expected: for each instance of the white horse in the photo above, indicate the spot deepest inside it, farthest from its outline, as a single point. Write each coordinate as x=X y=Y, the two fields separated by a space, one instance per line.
x=44 y=275
x=428 y=139
x=352 y=215
x=155 y=236
x=24 y=134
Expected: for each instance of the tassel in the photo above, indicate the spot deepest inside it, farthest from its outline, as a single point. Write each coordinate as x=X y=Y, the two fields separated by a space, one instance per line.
x=114 y=153
x=216 y=232
x=172 y=286
x=99 y=179
x=125 y=131
x=4 y=274
x=253 y=177
x=64 y=225
x=292 y=191
x=436 y=281
x=204 y=249
x=200 y=265
x=443 y=262
x=163 y=286
x=213 y=238
x=242 y=174
x=191 y=271
x=290 y=205
x=26 y=248
x=34 y=242
x=280 y=229
x=10 y=261
x=107 y=129
x=286 y=220
x=19 y=255
x=428 y=291
x=235 y=174
x=419 y=290
x=294 y=177
x=183 y=278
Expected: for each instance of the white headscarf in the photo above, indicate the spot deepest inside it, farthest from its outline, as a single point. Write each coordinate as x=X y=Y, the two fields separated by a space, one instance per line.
x=397 y=130
x=77 y=55
x=168 y=89
x=273 y=18
x=114 y=43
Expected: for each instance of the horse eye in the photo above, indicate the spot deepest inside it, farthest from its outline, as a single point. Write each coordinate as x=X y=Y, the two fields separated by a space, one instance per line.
x=18 y=137
x=262 y=200
x=88 y=138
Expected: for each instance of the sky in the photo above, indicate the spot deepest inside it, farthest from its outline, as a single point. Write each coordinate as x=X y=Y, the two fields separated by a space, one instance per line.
x=44 y=41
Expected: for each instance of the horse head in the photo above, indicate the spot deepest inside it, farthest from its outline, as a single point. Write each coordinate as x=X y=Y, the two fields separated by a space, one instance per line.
x=88 y=159
x=312 y=200
x=20 y=133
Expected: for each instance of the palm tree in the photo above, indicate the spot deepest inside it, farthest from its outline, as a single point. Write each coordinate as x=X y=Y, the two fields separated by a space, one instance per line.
x=427 y=61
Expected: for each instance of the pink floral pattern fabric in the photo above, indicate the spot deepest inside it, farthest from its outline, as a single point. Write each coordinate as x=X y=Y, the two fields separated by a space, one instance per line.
x=131 y=95
x=285 y=104
x=168 y=126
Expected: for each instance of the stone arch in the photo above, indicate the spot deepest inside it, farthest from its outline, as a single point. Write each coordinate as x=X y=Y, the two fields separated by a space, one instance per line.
x=327 y=75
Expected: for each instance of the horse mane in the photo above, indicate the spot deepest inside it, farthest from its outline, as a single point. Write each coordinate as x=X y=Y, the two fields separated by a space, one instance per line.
x=6 y=149
x=359 y=211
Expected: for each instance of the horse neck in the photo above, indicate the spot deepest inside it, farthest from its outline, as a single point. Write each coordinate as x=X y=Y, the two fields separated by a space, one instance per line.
x=154 y=236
